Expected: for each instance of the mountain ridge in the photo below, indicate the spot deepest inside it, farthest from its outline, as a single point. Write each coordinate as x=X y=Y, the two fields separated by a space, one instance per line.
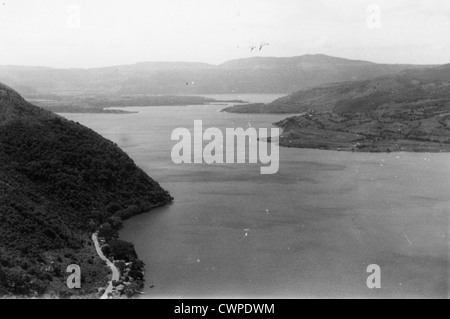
x=13 y=106
x=305 y=57
x=248 y=75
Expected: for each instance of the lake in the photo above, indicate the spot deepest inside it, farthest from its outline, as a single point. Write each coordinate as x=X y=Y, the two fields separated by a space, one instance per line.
x=311 y=230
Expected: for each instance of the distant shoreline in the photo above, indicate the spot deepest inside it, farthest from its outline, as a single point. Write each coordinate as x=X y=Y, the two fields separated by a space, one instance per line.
x=106 y=104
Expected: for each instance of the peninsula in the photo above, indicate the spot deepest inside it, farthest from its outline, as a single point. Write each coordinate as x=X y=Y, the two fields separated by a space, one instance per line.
x=407 y=112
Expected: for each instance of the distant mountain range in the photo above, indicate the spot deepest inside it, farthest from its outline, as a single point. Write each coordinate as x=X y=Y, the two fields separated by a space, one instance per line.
x=251 y=75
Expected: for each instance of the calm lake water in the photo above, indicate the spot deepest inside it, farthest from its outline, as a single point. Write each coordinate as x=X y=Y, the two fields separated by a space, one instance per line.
x=309 y=231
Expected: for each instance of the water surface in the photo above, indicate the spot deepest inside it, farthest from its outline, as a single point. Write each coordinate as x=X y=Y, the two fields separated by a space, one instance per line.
x=309 y=231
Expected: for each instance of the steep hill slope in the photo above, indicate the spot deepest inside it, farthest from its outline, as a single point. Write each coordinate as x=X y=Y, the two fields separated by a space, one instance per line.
x=58 y=182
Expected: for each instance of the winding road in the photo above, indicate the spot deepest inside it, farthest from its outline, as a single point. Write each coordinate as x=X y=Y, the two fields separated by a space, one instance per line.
x=114 y=270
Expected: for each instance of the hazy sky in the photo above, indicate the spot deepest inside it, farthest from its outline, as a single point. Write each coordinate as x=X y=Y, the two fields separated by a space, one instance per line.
x=89 y=33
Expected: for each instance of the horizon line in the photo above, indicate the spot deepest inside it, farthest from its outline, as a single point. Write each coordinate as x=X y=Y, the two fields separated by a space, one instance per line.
x=211 y=64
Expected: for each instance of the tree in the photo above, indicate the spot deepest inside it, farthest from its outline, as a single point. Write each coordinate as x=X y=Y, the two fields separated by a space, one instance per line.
x=107 y=232
x=122 y=250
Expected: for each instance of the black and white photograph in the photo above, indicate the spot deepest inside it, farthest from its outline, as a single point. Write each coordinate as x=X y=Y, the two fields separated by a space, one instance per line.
x=246 y=151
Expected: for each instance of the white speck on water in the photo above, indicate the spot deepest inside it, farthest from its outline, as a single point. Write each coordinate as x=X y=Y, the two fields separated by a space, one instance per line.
x=246 y=234
x=409 y=241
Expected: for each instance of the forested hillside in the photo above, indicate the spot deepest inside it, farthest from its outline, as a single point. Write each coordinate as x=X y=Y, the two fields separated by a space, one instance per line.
x=58 y=182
